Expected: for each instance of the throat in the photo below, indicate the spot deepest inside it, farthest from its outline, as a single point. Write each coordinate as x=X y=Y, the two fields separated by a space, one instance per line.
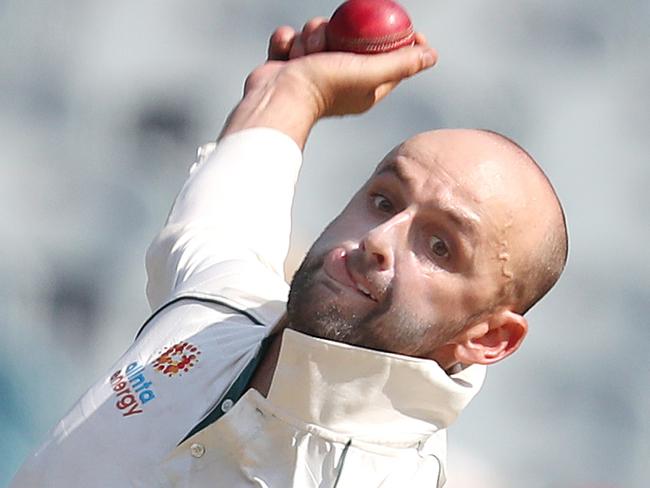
x=263 y=376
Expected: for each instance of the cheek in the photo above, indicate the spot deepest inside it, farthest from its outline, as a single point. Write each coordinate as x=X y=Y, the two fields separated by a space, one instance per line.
x=475 y=296
x=438 y=297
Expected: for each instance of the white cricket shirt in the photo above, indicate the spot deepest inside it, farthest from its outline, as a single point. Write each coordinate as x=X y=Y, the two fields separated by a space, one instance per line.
x=170 y=411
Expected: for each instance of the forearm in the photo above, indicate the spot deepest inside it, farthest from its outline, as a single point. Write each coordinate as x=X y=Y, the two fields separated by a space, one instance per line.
x=236 y=199
x=236 y=205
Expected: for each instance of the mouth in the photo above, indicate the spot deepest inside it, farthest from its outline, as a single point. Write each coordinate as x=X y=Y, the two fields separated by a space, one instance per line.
x=336 y=268
x=366 y=292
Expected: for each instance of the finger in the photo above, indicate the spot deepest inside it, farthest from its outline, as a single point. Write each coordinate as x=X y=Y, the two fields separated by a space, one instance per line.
x=280 y=43
x=384 y=89
x=297 y=49
x=420 y=39
x=313 y=35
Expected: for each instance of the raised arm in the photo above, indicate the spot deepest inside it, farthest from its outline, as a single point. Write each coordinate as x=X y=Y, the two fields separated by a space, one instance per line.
x=229 y=226
x=235 y=207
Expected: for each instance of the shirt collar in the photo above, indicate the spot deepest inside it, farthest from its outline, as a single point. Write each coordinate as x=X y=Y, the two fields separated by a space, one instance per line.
x=365 y=393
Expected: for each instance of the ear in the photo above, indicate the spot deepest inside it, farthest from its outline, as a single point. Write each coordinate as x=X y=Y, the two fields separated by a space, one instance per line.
x=491 y=340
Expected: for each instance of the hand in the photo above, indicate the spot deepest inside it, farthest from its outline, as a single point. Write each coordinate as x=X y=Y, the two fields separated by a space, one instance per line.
x=302 y=82
x=345 y=83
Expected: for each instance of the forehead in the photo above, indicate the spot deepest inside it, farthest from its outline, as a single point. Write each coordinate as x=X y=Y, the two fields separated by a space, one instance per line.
x=451 y=164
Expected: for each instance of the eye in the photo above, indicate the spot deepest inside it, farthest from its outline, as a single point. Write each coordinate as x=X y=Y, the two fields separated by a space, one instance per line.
x=438 y=247
x=382 y=203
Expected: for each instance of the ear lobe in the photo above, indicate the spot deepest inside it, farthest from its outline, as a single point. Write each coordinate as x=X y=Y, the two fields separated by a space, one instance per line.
x=491 y=340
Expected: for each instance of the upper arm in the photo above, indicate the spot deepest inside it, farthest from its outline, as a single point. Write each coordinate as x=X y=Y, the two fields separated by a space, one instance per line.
x=235 y=206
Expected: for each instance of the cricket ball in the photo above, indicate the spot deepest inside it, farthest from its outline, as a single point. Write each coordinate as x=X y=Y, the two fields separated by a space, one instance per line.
x=369 y=27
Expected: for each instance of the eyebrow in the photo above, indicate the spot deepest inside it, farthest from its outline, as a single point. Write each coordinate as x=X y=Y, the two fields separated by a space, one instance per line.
x=461 y=217
x=396 y=170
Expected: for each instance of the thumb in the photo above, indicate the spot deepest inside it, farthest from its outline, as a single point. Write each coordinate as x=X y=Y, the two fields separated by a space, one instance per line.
x=393 y=67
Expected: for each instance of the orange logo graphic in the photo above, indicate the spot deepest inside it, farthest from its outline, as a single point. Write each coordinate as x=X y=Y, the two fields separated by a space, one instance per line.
x=177 y=359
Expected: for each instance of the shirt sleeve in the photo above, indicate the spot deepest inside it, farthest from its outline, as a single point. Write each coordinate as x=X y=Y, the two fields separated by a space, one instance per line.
x=233 y=213
x=223 y=247
x=147 y=401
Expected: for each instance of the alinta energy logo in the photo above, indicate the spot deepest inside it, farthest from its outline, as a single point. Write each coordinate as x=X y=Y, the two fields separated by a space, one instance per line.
x=177 y=359
x=132 y=389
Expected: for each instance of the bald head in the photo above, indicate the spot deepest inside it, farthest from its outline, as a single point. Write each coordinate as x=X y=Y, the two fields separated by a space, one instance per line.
x=438 y=254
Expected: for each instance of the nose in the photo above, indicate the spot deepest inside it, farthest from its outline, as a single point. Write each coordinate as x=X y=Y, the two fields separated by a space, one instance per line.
x=380 y=242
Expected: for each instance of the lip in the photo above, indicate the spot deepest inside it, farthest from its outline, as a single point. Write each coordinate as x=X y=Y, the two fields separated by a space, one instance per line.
x=335 y=266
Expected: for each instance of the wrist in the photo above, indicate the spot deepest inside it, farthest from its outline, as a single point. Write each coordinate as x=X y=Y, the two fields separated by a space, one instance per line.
x=286 y=101
x=293 y=86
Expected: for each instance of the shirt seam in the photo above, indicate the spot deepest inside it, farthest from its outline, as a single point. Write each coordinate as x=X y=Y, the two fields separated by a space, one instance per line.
x=200 y=299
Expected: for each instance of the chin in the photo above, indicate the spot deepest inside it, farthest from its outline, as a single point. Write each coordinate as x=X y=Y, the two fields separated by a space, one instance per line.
x=316 y=311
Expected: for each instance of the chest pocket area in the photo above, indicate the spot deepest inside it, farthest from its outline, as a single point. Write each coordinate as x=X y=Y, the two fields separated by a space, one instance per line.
x=251 y=447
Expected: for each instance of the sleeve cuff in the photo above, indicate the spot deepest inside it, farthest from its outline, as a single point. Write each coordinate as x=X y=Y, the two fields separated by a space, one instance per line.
x=263 y=138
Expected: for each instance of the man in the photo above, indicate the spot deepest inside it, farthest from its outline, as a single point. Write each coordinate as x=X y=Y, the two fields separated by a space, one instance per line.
x=419 y=283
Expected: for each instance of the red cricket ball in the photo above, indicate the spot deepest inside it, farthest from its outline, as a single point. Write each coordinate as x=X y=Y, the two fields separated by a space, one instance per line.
x=369 y=27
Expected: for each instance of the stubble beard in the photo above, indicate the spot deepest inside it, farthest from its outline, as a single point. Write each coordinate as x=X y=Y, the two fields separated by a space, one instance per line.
x=387 y=327
x=310 y=315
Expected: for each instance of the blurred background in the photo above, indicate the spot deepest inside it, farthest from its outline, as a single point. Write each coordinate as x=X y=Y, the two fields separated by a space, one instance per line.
x=102 y=106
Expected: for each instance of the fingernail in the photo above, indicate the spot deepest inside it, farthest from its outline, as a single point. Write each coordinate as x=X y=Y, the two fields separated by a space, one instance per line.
x=313 y=42
x=428 y=59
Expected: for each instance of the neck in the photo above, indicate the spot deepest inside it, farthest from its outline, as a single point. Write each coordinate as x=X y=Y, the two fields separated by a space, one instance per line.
x=261 y=380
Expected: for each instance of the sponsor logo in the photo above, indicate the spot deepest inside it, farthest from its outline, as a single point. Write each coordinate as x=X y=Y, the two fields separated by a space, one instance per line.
x=132 y=389
x=177 y=359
